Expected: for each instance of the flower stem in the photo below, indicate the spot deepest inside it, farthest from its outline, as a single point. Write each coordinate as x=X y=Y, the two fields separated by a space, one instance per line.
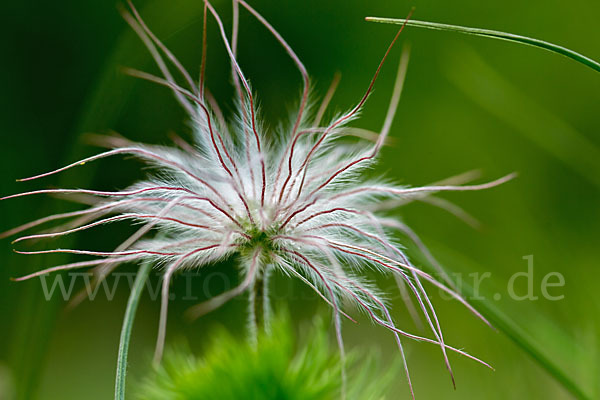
x=258 y=306
x=132 y=305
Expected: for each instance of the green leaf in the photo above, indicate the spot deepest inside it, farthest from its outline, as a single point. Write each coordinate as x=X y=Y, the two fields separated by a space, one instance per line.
x=554 y=48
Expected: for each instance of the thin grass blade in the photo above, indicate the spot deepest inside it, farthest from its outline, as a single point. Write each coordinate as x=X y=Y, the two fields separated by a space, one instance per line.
x=132 y=304
x=564 y=358
x=510 y=37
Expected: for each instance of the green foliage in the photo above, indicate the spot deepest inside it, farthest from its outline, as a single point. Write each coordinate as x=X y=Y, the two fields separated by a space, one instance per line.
x=276 y=369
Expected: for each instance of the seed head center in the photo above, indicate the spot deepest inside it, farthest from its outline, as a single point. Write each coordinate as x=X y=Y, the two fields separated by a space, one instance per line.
x=260 y=238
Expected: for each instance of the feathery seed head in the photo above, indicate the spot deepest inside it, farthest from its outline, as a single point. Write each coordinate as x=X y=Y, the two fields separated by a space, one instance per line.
x=300 y=205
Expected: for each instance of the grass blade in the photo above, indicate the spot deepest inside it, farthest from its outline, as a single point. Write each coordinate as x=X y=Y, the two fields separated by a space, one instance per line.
x=526 y=342
x=132 y=304
x=554 y=48
x=566 y=356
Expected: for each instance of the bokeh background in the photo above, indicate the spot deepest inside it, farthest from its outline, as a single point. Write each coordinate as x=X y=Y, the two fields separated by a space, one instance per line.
x=468 y=103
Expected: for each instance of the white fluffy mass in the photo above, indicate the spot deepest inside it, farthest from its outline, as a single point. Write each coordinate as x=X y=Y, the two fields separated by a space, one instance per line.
x=296 y=202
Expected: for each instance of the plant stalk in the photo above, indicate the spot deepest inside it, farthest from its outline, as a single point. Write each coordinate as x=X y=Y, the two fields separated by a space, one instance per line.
x=259 y=310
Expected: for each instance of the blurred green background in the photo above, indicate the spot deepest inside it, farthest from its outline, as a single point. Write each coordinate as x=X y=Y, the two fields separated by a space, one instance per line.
x=468 y=103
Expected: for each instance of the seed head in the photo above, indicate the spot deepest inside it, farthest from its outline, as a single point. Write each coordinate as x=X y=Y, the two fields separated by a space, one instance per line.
x=299 y=205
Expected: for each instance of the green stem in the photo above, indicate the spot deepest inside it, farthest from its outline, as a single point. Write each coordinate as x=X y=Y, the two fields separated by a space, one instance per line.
x=252 y=328
x=132 y=304
x=259 y=314
x=595 y=65
x=258 y=307
x=265 y=305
